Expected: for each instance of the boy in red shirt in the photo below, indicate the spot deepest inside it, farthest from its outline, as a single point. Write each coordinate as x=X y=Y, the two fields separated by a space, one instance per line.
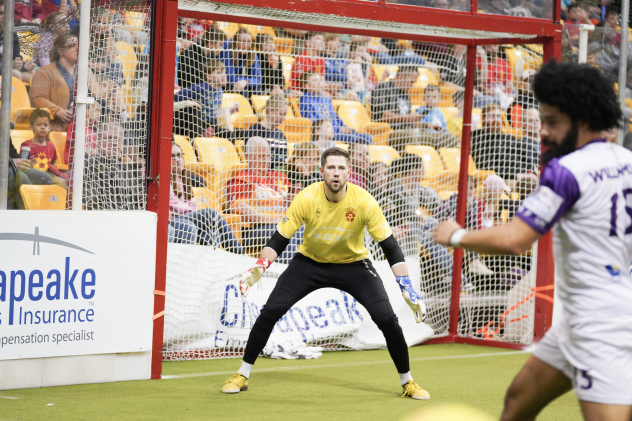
x=43 y=154
x=310 y=59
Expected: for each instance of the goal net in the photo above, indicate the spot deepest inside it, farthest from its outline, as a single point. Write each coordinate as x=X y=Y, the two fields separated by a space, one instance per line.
x=254 y=107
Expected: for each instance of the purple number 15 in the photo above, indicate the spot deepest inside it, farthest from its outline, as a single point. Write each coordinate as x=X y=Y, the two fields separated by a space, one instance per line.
x=613 y=212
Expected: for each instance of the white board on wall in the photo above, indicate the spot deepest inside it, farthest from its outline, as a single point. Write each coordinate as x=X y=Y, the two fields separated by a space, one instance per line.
x=76 y=283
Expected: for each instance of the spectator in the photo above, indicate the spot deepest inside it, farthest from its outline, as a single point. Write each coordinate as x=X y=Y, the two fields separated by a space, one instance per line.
x=577 y=15
x=53 y=86
x=53 y=26
x=272 y=115
x=492 y=149
x=109 y=95
x=400 y=54
x=390 y=103
x=359 y=170
x=302 y=168
x=361 y=79
x=496 y=75
x=17 y=58
x=93 y=120
x=525 y=99
x=314 y=105
x=41 y=152
x=68 y=9
x=297 y=35
x=103 y=50
x=113 y=171
x=334 y=67
x=192 y=59
x=309 y=60
x=451 y=68
x=323 y=134
x=242 y=65
x=490 y=204
x=195 y=122
x=530 y=141
x=259 y=196
x=432 y=115
x=28 y=12
x=271 y=67
x=187 y=224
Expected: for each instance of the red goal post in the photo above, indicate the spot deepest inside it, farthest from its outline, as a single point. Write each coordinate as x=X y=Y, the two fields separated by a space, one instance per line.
x=398 y=21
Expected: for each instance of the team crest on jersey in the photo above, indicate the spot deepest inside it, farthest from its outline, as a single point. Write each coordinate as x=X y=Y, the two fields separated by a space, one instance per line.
x=318 y=212
x=350 y=214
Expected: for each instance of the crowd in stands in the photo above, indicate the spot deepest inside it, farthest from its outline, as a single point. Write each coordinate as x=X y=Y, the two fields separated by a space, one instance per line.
x=270 y=101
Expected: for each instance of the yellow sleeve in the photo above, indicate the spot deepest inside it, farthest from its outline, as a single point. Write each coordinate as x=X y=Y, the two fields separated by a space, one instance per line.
x=293 y=218
x=376 y=222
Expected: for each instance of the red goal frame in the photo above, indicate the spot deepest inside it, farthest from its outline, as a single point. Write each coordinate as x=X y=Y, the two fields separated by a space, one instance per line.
x=165 y=14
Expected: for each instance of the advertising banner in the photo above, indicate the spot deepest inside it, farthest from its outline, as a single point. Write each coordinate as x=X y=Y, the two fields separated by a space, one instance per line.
x=76 y=283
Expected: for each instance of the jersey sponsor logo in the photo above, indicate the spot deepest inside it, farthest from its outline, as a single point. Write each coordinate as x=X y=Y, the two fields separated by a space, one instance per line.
x=611 y=172
x=284 y=220
x=543 y=204
x=332 y=238
x=614 y=271
x=350 y=214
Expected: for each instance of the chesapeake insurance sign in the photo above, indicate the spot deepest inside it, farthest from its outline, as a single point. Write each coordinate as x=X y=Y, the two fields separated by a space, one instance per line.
x=75 y=283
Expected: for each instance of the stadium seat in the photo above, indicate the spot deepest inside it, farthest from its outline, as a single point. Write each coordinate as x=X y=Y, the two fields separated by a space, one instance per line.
x=452 y=161
x=223 y=159
x=383 y=154
x=284 y=45
x=19 y=101
x=258 y=29
x=135 y=19
x=426 y=77
x=416 y=94
x=245 y=117
x=386 y=72
x=129 y=61
x=240 y=144
x=294 y=104
x=20 y=136
x=297 y=129
x=206 y=199
x=43 y=197
x=59 y=140
x=354 y=115
x=343 y=145
x=229 y=28
x=191 y=162
x=288 y=62
x=435 y=176
x=448 y=112
x=447 y=92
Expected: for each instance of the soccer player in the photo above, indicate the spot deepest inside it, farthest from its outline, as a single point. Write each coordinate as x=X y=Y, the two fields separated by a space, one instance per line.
x=584 y=195
x=335 y=214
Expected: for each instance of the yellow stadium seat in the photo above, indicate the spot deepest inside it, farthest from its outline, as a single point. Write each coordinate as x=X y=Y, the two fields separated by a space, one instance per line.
x=445 y=195
x=343 y=145
x=240 y=144
x=297 y=129
x=59 y=140
x=205 y=198
x=435 y=175
x=416 y=94
x=383 y=154
x=258 y=29
x=191 y=162
x=294 y=104
x=229 y=28
x=129 y=61
x=20 y=136
x=224 y=160
x=452 y=160
x=354 y=115
x=135 y=19
x=447 y=93
x=43 y=197
x=19 y=98
x=284 y=45
x=288 y=62
x=426 y=77
x=245 y=117
x=448 y=112
x=386 y=72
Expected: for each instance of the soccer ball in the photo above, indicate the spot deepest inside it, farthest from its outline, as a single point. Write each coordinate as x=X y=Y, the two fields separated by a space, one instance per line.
x=450 y=412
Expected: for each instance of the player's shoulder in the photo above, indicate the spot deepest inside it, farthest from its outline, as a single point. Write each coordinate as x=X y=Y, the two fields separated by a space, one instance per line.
x=593 y=156
x=360 y=195
x=309 y=193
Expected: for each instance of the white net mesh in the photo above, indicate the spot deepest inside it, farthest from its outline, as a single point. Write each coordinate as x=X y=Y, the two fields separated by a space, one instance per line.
x=255 y=108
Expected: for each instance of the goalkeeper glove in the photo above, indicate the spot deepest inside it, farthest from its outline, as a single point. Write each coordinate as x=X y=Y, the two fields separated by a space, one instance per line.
x=413 y=299
x=251 y=277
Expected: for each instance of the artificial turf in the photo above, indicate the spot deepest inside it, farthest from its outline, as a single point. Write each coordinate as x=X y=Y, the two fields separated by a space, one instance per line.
x=338 y=386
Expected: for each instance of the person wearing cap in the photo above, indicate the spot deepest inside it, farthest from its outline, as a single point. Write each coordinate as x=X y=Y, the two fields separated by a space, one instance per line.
x=490 y=200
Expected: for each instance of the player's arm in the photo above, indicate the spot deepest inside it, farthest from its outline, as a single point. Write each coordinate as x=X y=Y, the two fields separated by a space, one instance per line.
x=515 y=238
x=396 y=260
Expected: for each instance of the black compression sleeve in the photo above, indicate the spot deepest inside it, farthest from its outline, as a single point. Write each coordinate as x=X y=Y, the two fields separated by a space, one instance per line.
x=278 y=243
x=392 y=251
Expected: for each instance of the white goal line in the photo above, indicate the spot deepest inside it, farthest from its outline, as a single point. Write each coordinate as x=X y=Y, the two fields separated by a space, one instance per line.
x=306 y=367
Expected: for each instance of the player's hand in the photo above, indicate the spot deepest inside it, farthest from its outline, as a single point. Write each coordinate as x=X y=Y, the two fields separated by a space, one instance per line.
x=251 y=277
x=414 y=301
x=444 y=230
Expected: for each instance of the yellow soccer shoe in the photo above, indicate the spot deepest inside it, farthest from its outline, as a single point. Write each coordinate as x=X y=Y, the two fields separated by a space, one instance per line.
x=237 y=383
x=413 y=390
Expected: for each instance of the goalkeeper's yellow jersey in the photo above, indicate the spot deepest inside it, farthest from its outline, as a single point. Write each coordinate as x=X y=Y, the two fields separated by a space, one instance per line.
x=334 y=232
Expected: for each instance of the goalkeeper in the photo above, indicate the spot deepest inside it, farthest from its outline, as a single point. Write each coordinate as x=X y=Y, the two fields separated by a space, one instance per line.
x=335 y=214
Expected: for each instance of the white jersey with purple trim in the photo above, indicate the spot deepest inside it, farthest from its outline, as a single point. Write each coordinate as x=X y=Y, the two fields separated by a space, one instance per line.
x=586 y=196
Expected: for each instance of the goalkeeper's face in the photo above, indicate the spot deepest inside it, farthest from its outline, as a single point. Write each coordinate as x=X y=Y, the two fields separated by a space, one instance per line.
x=335 y=173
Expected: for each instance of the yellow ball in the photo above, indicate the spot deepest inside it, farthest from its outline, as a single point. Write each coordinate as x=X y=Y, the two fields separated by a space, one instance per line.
x=450 y=412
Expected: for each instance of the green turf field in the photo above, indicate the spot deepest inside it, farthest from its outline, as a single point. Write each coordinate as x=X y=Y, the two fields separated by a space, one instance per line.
x=338 y=386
